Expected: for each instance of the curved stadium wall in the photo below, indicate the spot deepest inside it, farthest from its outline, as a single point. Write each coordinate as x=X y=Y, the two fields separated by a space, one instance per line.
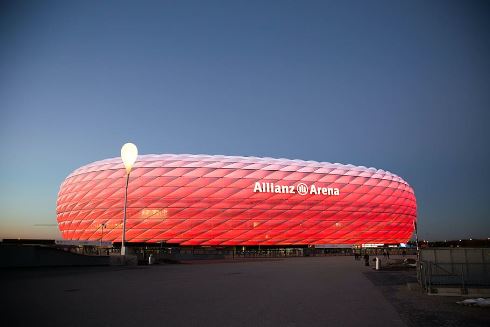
x=226 y=200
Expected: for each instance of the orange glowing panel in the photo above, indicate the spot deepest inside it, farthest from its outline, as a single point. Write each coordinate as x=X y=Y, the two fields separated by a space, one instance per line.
x=225 y=200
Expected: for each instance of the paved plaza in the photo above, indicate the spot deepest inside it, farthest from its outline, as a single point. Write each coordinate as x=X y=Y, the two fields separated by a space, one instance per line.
x=314 y=291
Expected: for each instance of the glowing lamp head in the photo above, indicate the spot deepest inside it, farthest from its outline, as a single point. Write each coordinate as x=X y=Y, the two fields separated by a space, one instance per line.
x=129 y=153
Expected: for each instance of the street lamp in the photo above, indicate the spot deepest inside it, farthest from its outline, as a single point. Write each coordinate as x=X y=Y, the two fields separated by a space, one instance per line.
x=102 y=234
x=129 y=153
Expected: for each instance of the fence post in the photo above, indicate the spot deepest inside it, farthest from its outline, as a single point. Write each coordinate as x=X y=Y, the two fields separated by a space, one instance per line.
x=463 y=289
x=429 y=274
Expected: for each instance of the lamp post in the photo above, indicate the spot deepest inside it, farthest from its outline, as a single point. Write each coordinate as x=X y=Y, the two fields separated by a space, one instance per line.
x=102 y=226
x=129 y=153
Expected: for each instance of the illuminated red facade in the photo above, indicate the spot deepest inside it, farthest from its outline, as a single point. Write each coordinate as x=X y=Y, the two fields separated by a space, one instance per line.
x=224 y=200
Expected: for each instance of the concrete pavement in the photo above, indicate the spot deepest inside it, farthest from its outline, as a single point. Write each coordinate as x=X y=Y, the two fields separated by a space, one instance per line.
x=312 y=291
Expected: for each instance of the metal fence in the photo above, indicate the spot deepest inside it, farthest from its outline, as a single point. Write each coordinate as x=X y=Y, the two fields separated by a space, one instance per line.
x=454 y=267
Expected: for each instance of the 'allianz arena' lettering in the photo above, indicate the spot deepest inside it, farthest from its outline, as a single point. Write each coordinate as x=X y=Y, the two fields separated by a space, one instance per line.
x=227 y=201
x=291 y=189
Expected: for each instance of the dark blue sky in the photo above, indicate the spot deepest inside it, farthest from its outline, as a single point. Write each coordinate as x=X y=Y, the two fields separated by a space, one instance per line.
x=402 y=86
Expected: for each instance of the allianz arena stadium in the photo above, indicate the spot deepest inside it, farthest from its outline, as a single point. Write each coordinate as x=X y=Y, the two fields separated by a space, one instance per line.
x=210 y=200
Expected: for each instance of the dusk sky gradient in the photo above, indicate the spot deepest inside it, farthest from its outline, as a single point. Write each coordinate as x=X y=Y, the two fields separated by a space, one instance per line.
x=402 y=86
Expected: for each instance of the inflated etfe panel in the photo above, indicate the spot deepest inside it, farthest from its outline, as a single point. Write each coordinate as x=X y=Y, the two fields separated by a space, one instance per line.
x=226 y=200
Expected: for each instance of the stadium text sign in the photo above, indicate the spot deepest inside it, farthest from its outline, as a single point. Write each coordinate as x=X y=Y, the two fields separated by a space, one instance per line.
x=300 y=188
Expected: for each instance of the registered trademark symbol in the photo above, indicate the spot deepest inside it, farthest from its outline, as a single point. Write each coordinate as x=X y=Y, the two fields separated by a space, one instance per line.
x=302 y=189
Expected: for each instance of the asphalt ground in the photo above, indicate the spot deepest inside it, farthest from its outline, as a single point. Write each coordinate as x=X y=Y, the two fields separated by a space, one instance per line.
x=312 y=291
x=417 y=309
